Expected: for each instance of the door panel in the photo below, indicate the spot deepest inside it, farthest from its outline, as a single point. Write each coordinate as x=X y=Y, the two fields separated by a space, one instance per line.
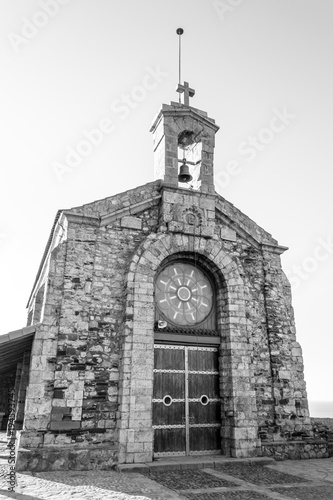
x=169 y=441
x=169 y=415
x=203 y=359
x=169 y=400
x=206 y=440
x=204 y=400
x=208 y=414
x=186 y=403
x=169 y=383
x=199 y=384
x=169 y=357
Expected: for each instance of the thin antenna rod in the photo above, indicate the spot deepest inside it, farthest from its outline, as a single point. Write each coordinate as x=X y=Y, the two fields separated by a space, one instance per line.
x=179 y=32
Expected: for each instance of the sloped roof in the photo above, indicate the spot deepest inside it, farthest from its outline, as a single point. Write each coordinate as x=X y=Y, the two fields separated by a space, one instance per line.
x=13 y=345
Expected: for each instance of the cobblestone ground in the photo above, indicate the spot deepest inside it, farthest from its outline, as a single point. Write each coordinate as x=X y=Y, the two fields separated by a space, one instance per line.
x=188 y=479
x=259 y=475
x=85 y=485
x=244 y=481
x=228 y=495
x=290 y=480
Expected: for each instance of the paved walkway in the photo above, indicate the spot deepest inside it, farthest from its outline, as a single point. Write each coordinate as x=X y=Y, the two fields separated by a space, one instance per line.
x=194 y=479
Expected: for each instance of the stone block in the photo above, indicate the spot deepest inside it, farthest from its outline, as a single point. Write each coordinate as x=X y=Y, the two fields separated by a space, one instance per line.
x=207 y=231
x=176 y=227
x=35 y=391
x=144 y=436
x=74 y=403
x=139 y=458
x=64 y=425
x=131 y=222
x=36 y=423
x=228 y=234
x=135 y=447
x=30 y=439
x=77 y=413
x=49 y=440
x=284 y=374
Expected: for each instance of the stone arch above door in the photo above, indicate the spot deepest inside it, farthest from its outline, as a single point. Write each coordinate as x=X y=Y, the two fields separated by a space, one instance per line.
x=136 y=371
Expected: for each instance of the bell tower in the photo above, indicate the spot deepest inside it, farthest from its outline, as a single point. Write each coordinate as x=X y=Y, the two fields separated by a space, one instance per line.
x=184 y=140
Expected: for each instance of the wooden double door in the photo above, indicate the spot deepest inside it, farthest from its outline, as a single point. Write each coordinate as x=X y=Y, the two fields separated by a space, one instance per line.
x=186 y=400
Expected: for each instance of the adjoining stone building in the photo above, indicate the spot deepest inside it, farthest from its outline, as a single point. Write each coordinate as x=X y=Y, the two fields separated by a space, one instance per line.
x=160 y=323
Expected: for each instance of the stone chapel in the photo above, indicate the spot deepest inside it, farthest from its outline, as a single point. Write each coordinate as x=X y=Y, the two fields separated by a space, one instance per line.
x=160 y=324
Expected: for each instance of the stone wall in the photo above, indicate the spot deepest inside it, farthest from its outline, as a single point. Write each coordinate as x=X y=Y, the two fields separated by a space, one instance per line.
x=323 y=429
x=324 y=425
x=73 y=395
x=295 y=450
x=316 y=443
x=21 y=388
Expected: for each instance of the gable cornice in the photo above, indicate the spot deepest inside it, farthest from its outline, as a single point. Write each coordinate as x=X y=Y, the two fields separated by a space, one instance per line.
x=76 y=218
x=130 y=210
x=258 y=245
x=240 y=231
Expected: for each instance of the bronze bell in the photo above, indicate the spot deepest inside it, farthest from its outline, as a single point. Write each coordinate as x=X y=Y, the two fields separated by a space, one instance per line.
x=184 y=173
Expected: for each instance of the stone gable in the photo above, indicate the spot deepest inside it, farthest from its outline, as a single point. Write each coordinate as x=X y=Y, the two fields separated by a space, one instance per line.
x=94 y=349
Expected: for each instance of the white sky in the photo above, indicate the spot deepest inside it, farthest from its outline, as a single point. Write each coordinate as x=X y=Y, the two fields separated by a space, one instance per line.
x=245 y=61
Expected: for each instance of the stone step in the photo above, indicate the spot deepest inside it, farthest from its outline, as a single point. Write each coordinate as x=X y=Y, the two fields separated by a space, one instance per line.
x=179 y=463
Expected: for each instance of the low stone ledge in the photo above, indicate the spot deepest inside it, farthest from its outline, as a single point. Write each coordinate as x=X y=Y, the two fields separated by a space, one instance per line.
x=297 y=450
x=198 y=462
x=66 y=458
x=295 y=441
x=322 y=423
x=132 y=468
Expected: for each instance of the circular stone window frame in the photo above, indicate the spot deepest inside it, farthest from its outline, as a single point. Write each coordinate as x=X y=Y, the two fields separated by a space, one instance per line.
x=184 y=260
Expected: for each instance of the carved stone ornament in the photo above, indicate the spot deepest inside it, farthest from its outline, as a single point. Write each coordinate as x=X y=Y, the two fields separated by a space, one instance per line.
x=193 y=216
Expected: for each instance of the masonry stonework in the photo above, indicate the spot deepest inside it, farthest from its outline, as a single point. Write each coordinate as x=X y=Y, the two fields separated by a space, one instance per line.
x=89 y=398
x=7 y=382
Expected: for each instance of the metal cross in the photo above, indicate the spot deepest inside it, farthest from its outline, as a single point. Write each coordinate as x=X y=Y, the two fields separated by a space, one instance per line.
x=188 y=92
